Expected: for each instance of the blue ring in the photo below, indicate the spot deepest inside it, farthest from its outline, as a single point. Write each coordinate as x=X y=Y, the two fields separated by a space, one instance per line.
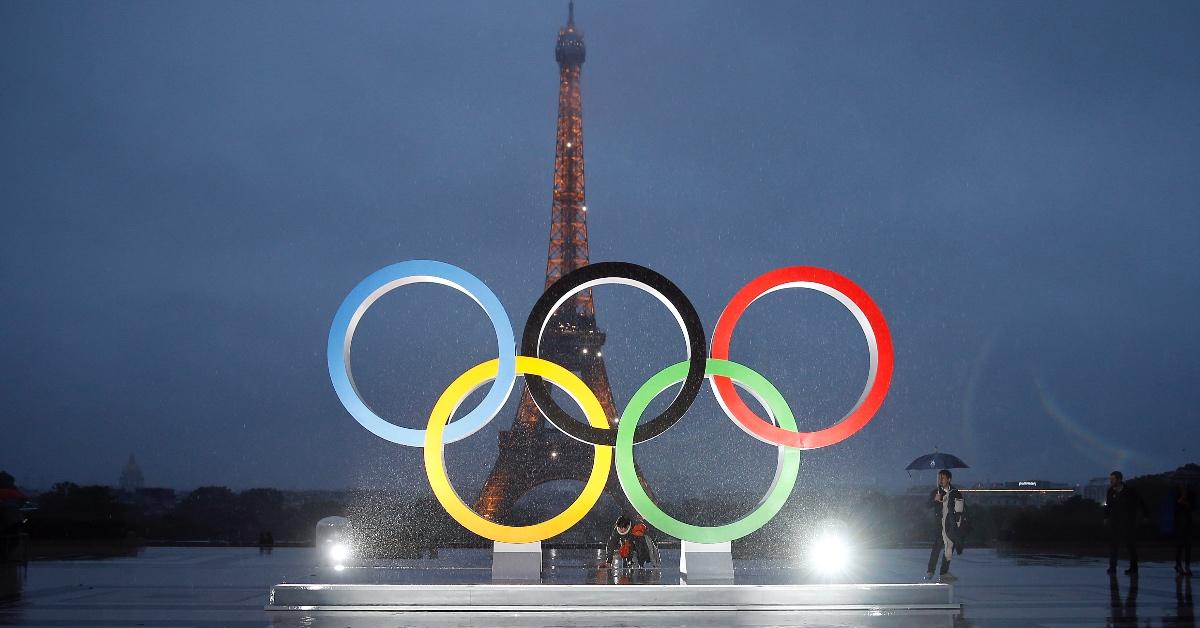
x=379 y=283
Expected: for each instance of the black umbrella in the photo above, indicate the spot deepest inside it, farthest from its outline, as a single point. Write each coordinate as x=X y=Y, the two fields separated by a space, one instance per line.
x=936 y=460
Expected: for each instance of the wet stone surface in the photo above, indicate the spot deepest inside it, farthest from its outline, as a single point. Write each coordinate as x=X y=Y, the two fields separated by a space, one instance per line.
x=229 y=586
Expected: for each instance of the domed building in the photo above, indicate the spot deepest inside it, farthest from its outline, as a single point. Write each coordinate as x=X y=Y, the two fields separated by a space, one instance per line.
x=131 y=477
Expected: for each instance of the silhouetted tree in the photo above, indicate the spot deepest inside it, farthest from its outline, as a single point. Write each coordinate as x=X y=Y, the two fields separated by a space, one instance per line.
x=78 y=512
x=207 y=513
x=259 y=510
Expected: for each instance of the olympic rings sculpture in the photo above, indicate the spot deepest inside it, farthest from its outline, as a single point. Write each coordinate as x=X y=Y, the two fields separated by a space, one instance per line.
x=499 y=374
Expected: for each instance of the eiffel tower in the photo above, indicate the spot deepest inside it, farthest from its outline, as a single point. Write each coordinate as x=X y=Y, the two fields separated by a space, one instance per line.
x=534 y=452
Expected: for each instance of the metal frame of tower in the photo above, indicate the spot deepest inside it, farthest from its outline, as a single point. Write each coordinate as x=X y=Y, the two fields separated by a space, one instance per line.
x=531 y=453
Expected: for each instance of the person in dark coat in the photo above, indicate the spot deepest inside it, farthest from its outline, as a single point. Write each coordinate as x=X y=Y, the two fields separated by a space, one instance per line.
x=948 y=510
x=1121 y=508
x=1184 y=502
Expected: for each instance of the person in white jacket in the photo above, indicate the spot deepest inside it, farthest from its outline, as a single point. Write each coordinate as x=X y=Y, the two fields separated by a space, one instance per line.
x=948 y=509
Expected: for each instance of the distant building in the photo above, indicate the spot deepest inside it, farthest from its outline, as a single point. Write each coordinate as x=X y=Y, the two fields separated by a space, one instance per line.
x=1019 y=493
x=131 y=477
x=1096 y=489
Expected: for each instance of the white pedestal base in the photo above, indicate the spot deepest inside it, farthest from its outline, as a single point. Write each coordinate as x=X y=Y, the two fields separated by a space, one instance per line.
x=707 y=563
x=517 y=561
x=589 y=598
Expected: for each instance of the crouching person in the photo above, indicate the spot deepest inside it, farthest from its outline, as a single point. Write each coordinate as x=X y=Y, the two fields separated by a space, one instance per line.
x=628 y=543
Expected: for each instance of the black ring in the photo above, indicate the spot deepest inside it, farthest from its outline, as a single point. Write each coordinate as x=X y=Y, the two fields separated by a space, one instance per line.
x=571 y=283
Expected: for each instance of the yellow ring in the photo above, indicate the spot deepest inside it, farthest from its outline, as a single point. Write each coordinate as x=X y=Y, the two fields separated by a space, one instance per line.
x=435 y=464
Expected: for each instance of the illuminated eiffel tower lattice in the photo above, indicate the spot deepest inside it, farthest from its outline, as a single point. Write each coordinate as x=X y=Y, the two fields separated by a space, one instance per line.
x=534 y=452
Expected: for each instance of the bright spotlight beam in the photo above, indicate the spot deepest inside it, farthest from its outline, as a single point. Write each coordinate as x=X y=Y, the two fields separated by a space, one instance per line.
x=339 y=552
x=829 y=553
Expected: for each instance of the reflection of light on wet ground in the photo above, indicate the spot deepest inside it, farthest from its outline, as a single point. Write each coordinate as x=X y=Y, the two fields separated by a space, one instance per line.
x=228 y=587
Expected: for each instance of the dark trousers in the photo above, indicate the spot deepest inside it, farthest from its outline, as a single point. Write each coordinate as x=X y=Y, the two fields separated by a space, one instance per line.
x=939 y=549
x=1123 y=535
x=1183 y=542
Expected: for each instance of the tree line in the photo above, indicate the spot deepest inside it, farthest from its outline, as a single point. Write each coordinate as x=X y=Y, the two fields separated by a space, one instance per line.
x=214 y=514
x=398 y=524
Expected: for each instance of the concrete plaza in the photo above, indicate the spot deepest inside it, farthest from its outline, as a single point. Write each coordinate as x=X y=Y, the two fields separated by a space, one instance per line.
x=229 y=586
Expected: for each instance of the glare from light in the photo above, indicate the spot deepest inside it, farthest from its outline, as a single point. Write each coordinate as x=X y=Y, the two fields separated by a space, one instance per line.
x=829 y=553
x=339 y=568
x=339 y=552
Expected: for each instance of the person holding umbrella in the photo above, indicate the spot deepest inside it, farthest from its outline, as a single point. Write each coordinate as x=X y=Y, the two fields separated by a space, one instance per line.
x=949 y=508
x=948 y=505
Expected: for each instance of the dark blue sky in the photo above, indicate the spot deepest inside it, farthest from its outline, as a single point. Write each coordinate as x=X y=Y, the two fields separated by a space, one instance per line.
x=189 y=190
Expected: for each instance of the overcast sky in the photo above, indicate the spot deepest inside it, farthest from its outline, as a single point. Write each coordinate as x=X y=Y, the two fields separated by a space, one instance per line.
x=190 y=189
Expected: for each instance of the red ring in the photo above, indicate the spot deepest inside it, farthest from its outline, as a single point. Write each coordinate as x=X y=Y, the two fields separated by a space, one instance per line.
x=873 y=396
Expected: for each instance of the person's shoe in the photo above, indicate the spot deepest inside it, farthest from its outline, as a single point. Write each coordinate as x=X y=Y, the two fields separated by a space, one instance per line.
x=928 y=576
x=947 y=577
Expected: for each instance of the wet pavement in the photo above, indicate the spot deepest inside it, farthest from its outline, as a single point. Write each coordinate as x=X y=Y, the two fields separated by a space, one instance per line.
x=228 y=587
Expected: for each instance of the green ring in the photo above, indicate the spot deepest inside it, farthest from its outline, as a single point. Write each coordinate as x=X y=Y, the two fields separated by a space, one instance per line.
x=786 y=469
